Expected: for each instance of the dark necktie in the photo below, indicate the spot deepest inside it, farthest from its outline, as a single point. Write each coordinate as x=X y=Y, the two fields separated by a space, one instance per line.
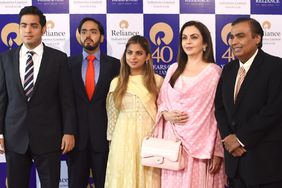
x=28 y=77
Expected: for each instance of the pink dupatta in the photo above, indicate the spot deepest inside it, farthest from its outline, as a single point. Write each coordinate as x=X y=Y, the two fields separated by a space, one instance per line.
x=199 y=135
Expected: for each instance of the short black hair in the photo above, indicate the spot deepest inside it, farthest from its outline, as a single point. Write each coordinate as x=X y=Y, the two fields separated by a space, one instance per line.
x=100 y=27
x=255 y=27
x=34 y=11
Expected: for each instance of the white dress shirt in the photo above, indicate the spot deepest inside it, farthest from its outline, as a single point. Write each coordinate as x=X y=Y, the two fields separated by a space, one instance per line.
x=37 y=57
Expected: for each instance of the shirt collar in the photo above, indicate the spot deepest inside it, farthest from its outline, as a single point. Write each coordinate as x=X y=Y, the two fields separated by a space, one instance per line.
x=97 y=54
x=248 y=63
x=38 y=49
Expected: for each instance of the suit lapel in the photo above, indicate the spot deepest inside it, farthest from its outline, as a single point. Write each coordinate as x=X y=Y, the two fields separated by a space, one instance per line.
x=78 y=77
x=43 y=69
x=102 y=74
x=16 y=61
x=250 y=77
x=231 y=76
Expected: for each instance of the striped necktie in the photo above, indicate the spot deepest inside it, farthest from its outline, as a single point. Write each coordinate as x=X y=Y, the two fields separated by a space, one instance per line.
x=28 y=77
x=241 y=74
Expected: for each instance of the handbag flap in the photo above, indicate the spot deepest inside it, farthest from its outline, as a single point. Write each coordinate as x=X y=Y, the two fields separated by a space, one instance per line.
x=156 y=147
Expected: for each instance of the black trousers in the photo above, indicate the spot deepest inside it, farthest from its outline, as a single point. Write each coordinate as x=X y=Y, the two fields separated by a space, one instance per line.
x=19 y=168
x=81 y=162
x=240 y=183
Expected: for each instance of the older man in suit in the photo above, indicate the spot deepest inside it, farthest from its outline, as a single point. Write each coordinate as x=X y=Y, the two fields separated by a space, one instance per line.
x=92 y=72
x=37 y=115
x=249 y=110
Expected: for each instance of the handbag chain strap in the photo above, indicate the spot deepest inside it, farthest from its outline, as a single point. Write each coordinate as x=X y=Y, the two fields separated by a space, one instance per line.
x=162 y=127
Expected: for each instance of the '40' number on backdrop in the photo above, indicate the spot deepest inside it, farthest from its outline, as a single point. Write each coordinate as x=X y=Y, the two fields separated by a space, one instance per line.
x=164 y=54
x=228 y=55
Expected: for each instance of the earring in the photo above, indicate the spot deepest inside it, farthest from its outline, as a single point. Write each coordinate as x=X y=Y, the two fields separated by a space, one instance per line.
x=204 y=49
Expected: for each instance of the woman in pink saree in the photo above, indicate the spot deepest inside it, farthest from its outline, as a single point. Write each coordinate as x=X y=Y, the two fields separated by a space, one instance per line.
x=186 y=111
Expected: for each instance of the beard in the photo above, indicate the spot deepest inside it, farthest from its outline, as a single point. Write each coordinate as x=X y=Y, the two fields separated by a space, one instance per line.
x=90 y=47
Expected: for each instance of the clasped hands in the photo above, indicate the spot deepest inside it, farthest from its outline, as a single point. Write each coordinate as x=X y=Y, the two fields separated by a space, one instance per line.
x=232 y=145
x=175 y=116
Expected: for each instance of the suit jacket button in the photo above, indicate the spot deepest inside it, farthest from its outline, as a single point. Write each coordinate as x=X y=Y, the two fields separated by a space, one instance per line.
x=233 y=124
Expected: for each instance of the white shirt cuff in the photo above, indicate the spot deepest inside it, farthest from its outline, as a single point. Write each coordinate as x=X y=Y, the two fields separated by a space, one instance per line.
x=240 y=142
x=1 y=136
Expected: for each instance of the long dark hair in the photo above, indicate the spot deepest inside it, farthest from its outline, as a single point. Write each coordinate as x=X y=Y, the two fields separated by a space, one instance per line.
x=182 y=56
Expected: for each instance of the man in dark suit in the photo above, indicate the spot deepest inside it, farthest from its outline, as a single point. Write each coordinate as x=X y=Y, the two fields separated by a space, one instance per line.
x=249 y=110
x=91 y=150
x=37 y=112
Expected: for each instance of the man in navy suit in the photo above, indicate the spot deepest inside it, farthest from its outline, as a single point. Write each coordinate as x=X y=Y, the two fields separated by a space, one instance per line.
x=249 y=109
x=91 y=150
x=37 y=115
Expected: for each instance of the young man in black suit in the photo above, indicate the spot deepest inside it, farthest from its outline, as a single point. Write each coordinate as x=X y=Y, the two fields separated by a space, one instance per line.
x=37 y=115
x=249 y=109
x=91 y=150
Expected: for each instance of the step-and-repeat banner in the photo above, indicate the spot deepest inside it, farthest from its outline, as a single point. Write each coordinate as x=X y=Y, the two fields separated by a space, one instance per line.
x=158 y=20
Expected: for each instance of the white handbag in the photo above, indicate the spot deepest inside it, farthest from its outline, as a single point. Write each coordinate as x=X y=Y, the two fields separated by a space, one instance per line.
x=162 y=153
